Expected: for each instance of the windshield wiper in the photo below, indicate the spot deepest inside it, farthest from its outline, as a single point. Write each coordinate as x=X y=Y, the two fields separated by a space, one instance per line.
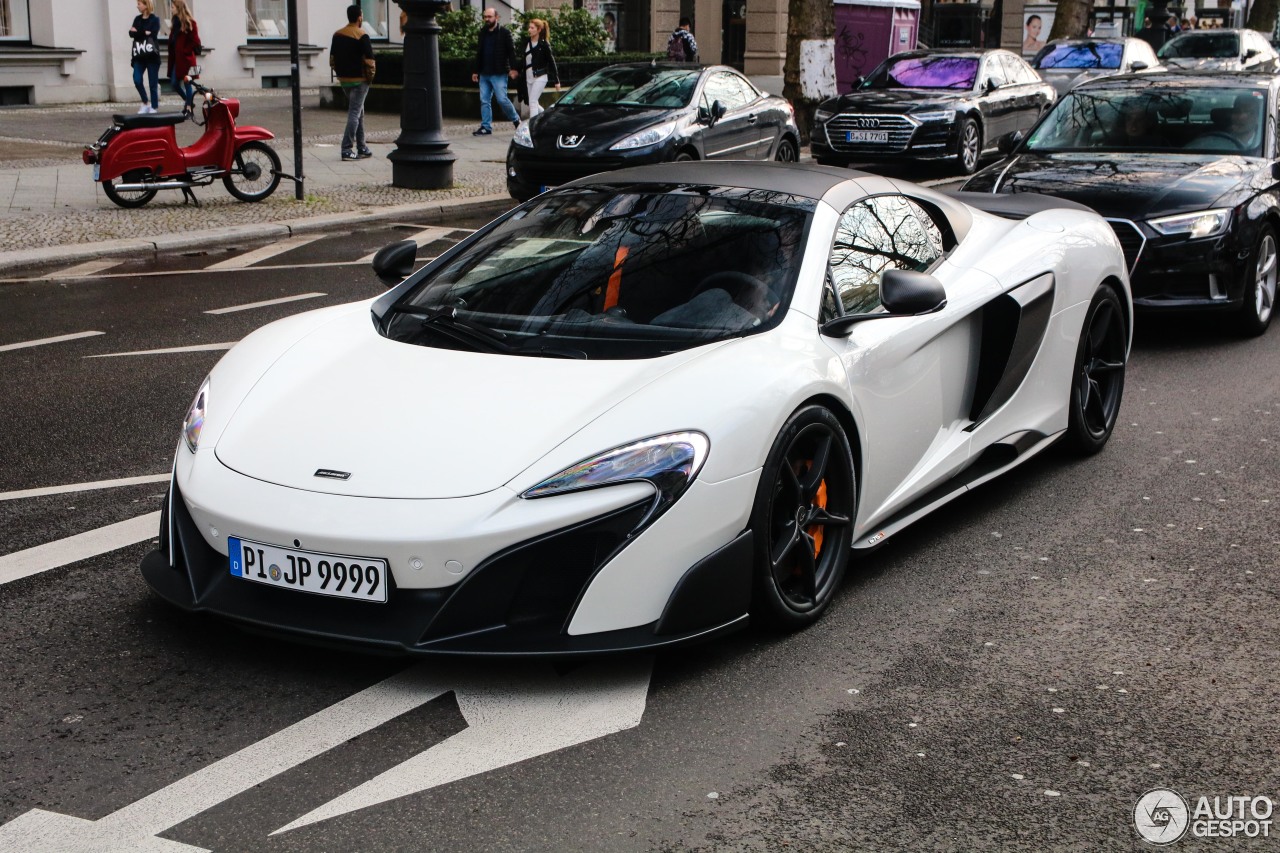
x=446 y=322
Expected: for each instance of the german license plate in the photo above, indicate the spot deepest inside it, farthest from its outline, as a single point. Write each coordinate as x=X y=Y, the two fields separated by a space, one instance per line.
x=867 y=136
x=359 y=578
x=97 y=170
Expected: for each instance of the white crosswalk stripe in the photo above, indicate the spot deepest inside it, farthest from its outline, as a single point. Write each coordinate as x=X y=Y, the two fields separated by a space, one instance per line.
x=266 y=252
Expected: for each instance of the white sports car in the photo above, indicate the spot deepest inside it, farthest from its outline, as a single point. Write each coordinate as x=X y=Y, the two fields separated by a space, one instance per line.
x=639 y=410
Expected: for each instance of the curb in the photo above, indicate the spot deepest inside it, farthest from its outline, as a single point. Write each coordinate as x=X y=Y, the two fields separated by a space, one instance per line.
x=77 y=252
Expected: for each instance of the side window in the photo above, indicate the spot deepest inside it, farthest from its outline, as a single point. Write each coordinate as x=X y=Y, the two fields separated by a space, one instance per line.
x=1012 y=70
x=876 y=234
x=724 y=88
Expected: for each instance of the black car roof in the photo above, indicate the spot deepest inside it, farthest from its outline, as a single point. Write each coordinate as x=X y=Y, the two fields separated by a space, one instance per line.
x=1182 y=80
x=808 y=180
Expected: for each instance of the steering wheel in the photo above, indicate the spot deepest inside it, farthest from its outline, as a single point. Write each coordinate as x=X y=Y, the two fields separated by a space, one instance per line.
x=1217 y=134
x=747 y=291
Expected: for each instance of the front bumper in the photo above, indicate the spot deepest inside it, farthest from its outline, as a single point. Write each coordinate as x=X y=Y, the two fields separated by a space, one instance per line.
x=933 y=140
x=520 y=601
x=532 y=170
x=1177 y=274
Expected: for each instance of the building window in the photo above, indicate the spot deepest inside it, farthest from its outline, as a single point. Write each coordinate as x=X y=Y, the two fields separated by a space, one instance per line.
x=266 y=19
x=375 y=18
x=15 y=21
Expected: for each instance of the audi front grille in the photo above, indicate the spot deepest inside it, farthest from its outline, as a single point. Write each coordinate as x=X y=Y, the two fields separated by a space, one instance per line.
x=897 y=128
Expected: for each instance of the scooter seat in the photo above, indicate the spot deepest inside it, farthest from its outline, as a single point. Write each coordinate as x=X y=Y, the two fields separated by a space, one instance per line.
x=146 y=120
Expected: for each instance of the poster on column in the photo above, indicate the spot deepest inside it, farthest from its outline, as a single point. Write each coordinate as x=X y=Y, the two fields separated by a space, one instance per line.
x=1037 y=22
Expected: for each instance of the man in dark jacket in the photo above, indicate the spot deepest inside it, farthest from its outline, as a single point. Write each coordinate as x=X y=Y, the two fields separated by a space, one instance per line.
x=495 y=63
x=351 y=58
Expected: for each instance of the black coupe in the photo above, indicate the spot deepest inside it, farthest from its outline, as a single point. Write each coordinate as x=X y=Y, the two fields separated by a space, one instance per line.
x=1185 y=168
x=651 y=112
x=931 y=105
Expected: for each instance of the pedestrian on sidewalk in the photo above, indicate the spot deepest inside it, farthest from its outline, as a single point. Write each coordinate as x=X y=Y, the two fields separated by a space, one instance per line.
x=539 y=66
x=495 y=63
x=145 y=33
x=184 y=47
x=682 y=46
x=351 y=58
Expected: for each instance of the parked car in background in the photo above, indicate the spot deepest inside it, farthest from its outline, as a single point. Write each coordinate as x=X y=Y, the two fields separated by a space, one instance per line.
x=931 y=105
x=1220 y=50
x=651 y=112
x=1064 y=63
x=1184 y=166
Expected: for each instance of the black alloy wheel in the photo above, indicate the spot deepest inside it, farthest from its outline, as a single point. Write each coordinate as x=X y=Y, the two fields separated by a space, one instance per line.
x=255 y=172
x=1098 y=379
x=129 y=198
x=968 y=146
x=803 y=520
x=786 y=152
x=1260 y=285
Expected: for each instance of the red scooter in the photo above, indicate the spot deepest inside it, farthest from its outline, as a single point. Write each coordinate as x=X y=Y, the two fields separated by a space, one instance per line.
x=139 y=154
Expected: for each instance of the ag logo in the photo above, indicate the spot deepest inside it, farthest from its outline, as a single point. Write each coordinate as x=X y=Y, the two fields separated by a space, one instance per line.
x=1161 y=816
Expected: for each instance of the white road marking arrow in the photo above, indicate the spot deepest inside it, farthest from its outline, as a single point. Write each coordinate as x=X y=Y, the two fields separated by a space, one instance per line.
x=515 y=712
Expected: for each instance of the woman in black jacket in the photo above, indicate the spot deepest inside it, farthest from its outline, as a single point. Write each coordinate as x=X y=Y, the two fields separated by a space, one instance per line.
x=539 y=66
x=146 y=54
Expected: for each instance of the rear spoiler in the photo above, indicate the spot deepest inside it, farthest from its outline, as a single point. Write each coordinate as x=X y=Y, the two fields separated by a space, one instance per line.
x=1016 y=205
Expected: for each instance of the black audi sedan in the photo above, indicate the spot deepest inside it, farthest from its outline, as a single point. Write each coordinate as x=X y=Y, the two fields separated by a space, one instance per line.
x=1184 y=167
x=651 y=112
x=931 y=105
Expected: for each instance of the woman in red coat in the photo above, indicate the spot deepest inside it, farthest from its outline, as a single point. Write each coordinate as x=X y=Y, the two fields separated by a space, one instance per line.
x=184 y=45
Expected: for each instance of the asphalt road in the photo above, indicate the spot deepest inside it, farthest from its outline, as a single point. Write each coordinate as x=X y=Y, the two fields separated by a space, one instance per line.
x=1013 y=673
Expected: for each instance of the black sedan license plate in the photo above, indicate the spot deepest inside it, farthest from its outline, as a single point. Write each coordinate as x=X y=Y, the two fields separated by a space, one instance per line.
x=360 y=578
x=867 y=136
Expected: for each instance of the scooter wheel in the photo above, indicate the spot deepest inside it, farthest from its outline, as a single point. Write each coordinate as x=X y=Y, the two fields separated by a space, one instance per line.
x=128 y=198
x=255 y=172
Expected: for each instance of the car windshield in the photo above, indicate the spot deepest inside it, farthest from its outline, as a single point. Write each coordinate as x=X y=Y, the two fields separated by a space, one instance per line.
x=635 y=86
x=1193 y=121
x=608 y=272
x=1091 y=55
x=1202 y=46
x=925 y=72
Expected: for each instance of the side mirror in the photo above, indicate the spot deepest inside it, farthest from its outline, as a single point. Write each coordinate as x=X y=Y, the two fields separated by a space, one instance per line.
x=394 y=263
x=908 y=292
x=1138 y=66
x=994 y=83
x=856 y=84
x=1275 y=170
x=1009 y=144
x=717 y=111
x=1250 y=53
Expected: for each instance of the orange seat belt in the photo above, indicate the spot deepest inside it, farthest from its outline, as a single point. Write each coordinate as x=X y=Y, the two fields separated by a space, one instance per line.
x=615 y=280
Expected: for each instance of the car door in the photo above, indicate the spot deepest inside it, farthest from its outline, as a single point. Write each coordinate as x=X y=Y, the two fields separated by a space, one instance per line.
x=910 y=374
x=999 y=105
x=734 y=136
x=1030 y=98
x=766 y=118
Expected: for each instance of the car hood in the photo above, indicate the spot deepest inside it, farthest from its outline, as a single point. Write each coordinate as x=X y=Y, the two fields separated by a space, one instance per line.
x=408 y=421
x=1064 y=80
x=895 y=100
x=1121 y=185
x=601 y=124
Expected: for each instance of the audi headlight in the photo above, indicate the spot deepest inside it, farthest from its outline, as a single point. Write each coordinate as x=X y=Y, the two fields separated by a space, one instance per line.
x=193 y=423
x=822 y=116
x=523 y=137
x=667 y=462
x=933 y=115
x=1203 y=223
x=649 y=136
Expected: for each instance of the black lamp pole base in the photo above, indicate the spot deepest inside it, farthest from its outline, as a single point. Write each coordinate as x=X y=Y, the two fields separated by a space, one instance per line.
x=422 y=159
x=421 y=170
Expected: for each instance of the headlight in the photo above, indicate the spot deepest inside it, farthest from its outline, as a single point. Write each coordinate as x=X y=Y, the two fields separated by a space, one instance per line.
x=523 y=136
x=934 y=115
x=822 y=116
x=1204 y=223
x=194 y=421
x=667 y=462
x=650 y=136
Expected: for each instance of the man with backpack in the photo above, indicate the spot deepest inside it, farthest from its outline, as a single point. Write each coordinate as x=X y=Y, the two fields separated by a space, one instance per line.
x=682 y=46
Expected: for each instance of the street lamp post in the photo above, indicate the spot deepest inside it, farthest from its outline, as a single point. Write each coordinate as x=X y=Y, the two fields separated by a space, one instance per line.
x=422 y=159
